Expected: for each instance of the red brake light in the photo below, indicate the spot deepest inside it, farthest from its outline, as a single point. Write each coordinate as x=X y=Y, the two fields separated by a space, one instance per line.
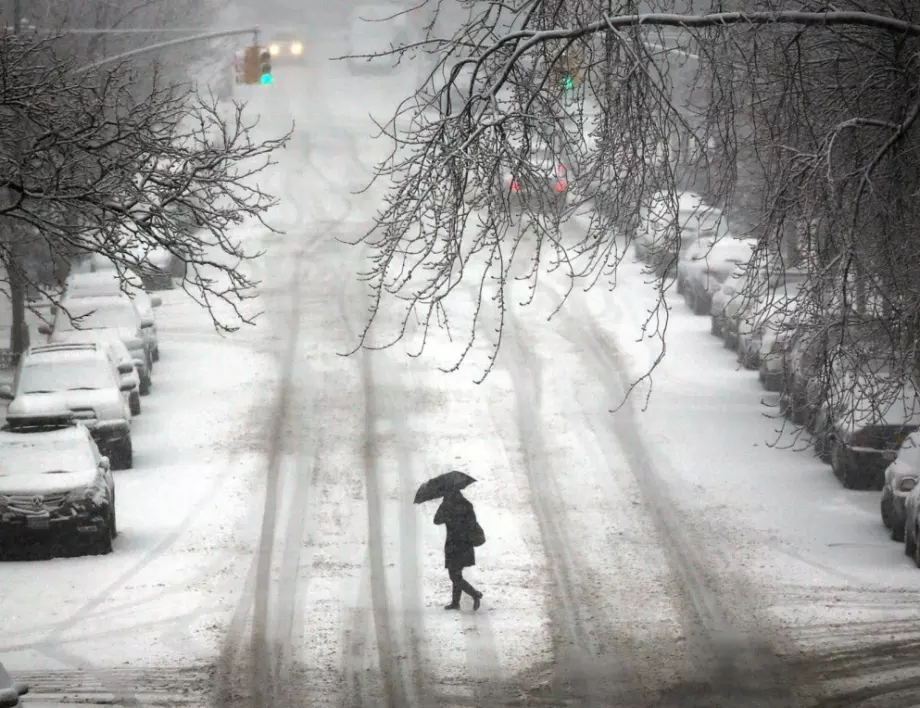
x=561 y=185
x=515 y=187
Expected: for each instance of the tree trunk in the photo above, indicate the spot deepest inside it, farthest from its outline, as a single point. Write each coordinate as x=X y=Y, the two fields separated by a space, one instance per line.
x=19 y=336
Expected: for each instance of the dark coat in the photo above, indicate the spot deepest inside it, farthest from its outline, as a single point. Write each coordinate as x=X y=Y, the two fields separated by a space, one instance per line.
x=458 y=515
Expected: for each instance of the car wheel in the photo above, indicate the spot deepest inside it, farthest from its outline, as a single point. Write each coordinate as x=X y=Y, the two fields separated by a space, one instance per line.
x=102 y=546
x=123 y=455
x=910 y=542
x=885 y=508
x=113 y=521
x=134 y=400
x=145 y=383
x=843 y=468
x=916 y=553
x=896 y=533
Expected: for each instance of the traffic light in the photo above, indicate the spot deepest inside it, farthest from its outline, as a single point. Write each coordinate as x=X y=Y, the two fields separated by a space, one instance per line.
x=265 y=66
x=251 y=65
x=568 y=82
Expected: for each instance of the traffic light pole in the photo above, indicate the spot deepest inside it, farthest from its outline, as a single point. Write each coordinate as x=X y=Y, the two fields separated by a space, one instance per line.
x=171 y=43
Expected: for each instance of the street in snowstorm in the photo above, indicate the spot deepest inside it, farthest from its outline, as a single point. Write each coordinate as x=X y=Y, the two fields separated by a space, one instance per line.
x=662 y=541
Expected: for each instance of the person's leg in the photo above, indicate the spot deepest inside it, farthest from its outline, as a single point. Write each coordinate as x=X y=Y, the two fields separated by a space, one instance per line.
x=467 y=588
x=456 y=579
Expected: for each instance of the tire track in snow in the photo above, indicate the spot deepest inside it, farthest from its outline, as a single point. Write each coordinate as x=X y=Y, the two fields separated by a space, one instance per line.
x=577 y=669
x=740 y=670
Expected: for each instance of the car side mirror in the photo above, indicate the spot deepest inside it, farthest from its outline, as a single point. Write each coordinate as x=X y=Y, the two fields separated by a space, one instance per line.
x=126 y=386
x=890 y=455
x=146 y=322
x=104 y=463
x=44 y=328
x=125 y=368
x=6 y=392
x=155 y=301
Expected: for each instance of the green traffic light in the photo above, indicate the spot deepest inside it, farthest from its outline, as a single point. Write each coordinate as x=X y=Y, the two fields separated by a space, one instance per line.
x=568 y=83
x=266 y=79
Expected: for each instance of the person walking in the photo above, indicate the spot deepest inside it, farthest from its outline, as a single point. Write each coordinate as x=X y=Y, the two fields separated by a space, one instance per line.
x=456 y=513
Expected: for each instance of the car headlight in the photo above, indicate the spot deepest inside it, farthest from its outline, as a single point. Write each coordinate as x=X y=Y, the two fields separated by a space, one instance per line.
x=907 y=484
x=83 y=494
x=274 y=50
x=296 y=48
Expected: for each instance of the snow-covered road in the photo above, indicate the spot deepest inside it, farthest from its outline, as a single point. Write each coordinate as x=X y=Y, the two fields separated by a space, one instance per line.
x=270 y=553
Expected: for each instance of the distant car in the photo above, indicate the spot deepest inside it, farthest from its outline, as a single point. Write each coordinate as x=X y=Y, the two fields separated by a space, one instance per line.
x=116 y=317
x=372 y=31
x=55 y=483
x=108 y=283
x=540 y=182
x=10 y=691
x=286 y=47
x=81 y=380
x=901 y=476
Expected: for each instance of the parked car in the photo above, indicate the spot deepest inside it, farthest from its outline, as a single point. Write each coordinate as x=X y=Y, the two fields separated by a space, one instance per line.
x=10 y=691
x=760 y=288
x=108 y=283
x=774 y=345
x=55 y=483
x=115 y=317
x=127 y=370
x=706 y=276
x=659 y=219
x=859 y=431
x=900 y=479
x=79 y=379
x=730 y=288
x=765 y=320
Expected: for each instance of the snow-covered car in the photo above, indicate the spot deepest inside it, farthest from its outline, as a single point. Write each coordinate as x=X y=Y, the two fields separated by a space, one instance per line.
x=88 y=319
x=912 y=525
x=774 y=344
x=859 y=432
x=127 y=371
x=108 y=283
x=656 y=239
x=726 y=293
x=372 y=31
x=79 y=379
x=764 y=321
x=55 y=483
x=760 y=290
x=901 y=477
x=10 y=691
x=704 y=277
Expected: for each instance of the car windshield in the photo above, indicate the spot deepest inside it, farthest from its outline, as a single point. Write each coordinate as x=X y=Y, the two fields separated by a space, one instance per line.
x=44 y=455
x=92 y=315
x=64 y=375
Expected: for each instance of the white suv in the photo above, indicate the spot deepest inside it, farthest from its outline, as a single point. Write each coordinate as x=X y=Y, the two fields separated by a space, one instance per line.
x=108 y=283
x=55 y=483
x=88 y=319
x=83 y=380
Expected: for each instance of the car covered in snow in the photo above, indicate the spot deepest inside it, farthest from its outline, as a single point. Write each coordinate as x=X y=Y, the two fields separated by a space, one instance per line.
x=81 y=380
x=55 y=485
x=87 y=319
x=860 y=423
x=108 y=283
x=901 y=477
x=705 y=270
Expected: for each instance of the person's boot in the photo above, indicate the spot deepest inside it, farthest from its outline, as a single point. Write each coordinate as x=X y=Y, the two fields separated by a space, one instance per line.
x=454 y=600
x=476 y=598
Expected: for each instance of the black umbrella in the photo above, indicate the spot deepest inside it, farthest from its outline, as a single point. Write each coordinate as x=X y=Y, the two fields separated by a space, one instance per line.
x=437 y=487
